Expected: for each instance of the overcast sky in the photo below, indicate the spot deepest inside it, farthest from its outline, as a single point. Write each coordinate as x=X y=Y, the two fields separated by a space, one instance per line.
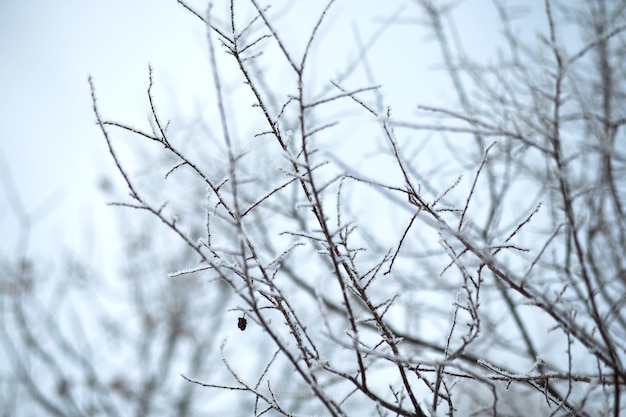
x=50 y=144
x=51 y=147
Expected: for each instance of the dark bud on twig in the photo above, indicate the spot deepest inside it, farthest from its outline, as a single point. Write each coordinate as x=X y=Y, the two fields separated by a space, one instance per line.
x=242 y=323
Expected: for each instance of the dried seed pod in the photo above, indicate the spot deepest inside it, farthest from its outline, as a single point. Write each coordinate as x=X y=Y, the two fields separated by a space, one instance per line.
x=242 y=323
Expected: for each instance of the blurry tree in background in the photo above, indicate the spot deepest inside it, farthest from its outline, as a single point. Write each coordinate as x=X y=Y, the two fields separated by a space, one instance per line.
x=456 y=258
x=80 y=344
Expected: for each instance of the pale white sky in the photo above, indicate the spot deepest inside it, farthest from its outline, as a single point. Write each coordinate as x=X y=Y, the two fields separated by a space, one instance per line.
x=48 y=138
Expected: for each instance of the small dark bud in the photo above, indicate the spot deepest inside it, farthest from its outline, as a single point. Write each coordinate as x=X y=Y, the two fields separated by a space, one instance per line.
x=242 y=323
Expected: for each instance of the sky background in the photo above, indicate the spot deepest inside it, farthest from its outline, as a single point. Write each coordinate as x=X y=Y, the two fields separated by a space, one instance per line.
x=50 y=146
x=53 y=158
